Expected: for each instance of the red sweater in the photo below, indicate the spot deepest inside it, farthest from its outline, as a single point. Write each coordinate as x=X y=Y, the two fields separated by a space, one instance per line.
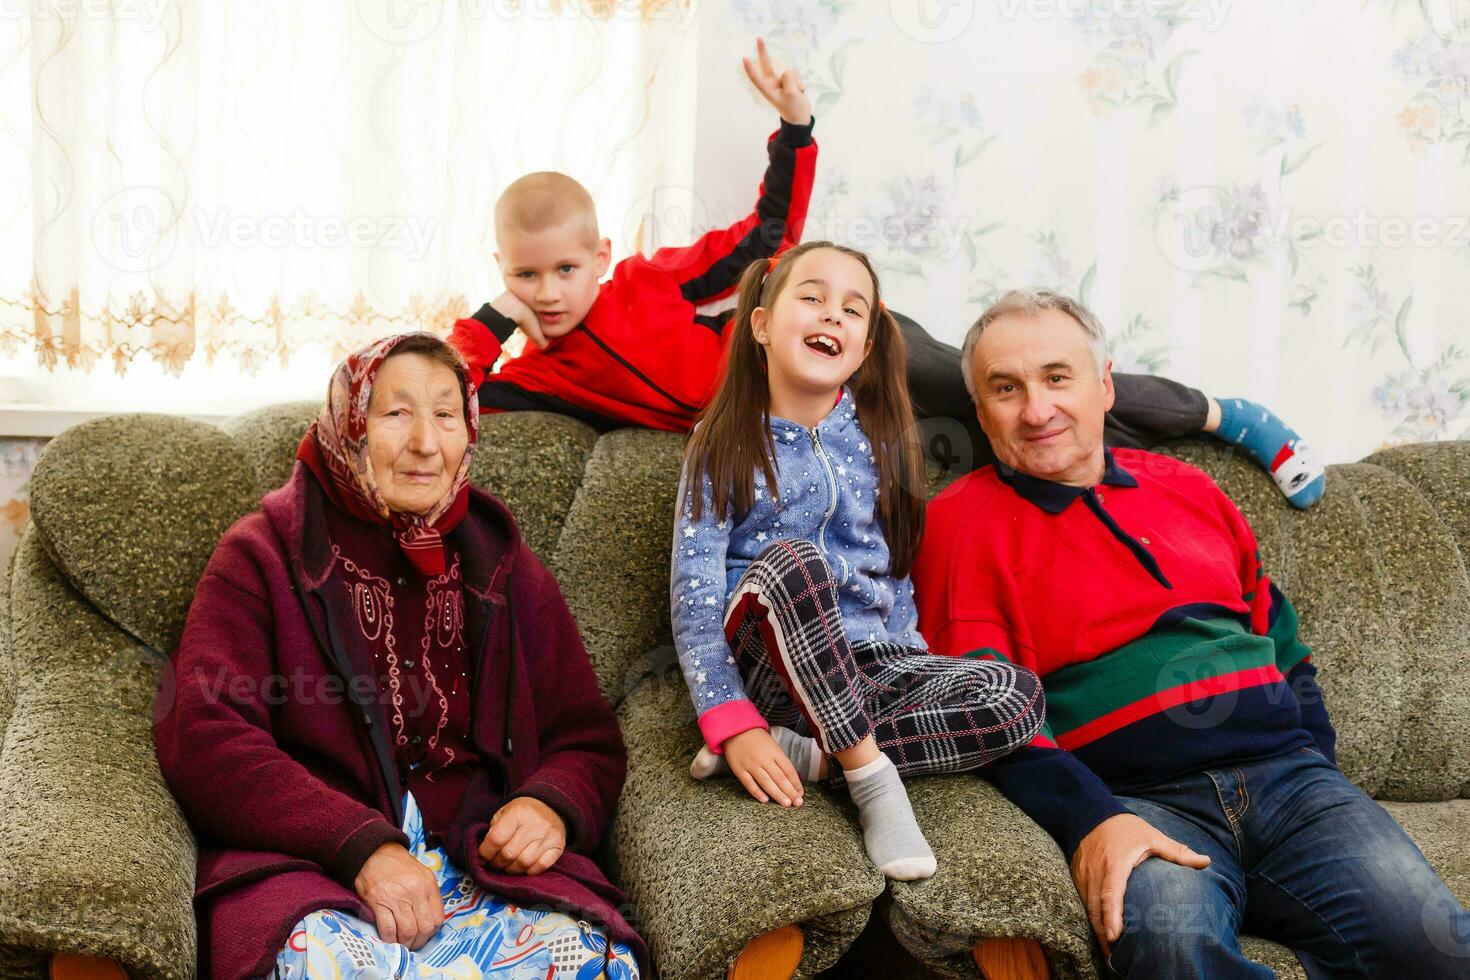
x=1142 y=605
x=644 y=356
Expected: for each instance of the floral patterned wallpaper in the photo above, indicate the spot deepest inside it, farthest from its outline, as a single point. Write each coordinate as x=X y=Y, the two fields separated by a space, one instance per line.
x=1265 y=200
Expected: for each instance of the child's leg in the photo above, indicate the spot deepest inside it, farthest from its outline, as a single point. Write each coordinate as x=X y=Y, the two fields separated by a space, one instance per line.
x=1147 y=409
x=1276 y=446
x=787 y=600
x=938 y=714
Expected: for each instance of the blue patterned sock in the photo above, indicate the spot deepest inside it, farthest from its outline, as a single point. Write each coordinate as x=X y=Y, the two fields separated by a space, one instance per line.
x=1278 y=449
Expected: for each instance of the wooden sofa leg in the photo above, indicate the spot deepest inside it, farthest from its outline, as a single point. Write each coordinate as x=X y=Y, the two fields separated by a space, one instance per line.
x=770 y=956
x=1011 y=959
x=71 y=966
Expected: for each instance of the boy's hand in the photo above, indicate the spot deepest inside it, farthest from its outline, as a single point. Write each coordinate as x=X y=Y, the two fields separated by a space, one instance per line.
x=787 y=92
x=509 y=305
x=762 y=768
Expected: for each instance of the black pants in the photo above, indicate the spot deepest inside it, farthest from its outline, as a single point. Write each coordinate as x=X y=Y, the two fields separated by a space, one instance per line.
x=1146 y=409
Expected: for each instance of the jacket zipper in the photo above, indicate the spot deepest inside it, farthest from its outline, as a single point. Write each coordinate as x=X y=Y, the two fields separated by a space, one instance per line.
x=832 y=506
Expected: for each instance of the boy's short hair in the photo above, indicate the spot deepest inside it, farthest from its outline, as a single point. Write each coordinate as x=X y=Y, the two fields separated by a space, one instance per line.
x=542 y=200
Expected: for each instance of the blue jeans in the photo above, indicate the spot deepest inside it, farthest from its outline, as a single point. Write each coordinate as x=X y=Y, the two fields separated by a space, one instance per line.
x=1299 y=855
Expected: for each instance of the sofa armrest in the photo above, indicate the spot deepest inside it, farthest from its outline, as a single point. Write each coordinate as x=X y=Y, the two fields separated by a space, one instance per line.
x=707 y=868
x=95 y=857
x=1000 y=876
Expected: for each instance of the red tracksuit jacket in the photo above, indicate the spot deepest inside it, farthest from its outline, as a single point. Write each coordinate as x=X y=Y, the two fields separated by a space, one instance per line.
x=644 y=356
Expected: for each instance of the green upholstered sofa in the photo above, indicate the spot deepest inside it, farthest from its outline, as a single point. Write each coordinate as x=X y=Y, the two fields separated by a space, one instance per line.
x=96 y=859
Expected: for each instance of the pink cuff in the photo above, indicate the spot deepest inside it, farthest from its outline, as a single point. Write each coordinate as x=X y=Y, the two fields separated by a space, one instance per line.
x=728 y=720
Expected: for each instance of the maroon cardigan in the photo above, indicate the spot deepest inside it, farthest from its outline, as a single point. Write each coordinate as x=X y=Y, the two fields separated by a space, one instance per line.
x=275 y=739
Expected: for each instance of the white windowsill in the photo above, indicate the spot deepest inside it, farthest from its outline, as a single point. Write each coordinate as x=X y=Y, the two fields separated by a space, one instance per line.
x=31 y=421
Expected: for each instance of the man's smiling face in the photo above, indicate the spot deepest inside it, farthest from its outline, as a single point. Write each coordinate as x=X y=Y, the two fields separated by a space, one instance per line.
x=1040 y=397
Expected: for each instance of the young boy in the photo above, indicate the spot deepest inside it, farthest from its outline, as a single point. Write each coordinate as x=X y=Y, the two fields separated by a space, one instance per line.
x=635 y=351
x=632 y=350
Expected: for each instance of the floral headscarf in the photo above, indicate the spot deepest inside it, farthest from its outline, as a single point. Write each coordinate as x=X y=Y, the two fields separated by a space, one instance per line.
x=336 y=450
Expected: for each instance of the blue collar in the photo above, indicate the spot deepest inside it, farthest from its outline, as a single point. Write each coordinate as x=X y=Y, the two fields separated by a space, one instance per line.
x=832 y=419
x=1055 y=497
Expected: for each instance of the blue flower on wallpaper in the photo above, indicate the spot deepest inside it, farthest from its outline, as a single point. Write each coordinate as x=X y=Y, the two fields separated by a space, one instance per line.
x=1280 y=128
x=1424 y=401
x=1134 y=35
x=1131 y=38
x=1225 y=232
x=802 y=21
x=945 y=116
x=796 y=30
x=1134 y=350
x=1440 y=70
x=916 y=218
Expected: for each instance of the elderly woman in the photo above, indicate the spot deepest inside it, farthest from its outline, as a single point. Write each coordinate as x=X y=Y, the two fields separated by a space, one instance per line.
x=387 y=735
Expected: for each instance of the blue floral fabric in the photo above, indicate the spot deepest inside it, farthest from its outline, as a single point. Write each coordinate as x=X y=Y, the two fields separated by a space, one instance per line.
x=482 y=936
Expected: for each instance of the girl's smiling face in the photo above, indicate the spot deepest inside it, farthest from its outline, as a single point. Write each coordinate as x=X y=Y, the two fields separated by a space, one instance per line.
x=815 y=333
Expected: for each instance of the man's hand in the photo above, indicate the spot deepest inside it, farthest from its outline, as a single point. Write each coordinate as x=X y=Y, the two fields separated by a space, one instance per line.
x=526 y=837
x=762 y=768
x=508 y=304
x=1107 y=856
x=787 y=92
x=403 y=896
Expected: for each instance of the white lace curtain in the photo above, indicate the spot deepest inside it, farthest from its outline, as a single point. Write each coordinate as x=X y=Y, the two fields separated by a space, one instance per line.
x=206 y=190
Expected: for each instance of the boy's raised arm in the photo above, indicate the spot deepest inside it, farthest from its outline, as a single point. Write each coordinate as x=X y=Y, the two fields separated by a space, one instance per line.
x=709 y=268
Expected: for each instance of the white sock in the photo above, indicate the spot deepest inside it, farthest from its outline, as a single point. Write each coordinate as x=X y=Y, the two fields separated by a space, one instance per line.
x=890 y=833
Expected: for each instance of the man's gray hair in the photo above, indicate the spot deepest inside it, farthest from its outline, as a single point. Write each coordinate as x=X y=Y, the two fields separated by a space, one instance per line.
x=1029 y=302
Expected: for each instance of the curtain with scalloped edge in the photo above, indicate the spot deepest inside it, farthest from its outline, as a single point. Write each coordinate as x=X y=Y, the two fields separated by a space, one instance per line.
x=236 y=181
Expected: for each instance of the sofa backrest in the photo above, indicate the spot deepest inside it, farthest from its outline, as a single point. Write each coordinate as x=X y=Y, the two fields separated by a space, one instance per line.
x=130 y=507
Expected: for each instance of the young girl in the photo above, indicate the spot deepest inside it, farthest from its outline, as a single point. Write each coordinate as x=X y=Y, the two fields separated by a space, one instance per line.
x=800 y=510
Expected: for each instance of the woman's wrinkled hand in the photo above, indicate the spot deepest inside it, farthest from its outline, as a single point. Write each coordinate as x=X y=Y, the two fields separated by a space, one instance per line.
x=402 y=894
x=526 y=837
x=762 y=768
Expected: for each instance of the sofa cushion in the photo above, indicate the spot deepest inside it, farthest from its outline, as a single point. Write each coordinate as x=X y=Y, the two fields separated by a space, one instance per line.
x=268 y=437
x=131 y=506
x=95 y=856
x=613 y=558
x=1441 y=472
x=1385 y=606
x=708 y=868
x=533 y=461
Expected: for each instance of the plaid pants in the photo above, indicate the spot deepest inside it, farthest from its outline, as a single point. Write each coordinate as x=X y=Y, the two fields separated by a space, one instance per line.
x=928 y=713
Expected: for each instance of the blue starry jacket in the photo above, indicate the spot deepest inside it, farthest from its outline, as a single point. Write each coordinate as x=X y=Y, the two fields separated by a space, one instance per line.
x=828 y=491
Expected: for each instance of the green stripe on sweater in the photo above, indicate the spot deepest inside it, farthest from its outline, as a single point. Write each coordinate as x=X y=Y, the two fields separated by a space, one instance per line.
x=1180 y=653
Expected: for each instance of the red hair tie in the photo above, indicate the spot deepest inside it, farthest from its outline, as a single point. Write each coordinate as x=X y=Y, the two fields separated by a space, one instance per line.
x=771 y=264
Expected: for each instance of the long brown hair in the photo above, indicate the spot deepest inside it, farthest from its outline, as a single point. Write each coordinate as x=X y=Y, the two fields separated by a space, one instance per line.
x=732 y=440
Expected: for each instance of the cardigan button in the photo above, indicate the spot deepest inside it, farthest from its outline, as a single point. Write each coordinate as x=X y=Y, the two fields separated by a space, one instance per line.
x=415 y=740
x=408 y=664
x=401 y=581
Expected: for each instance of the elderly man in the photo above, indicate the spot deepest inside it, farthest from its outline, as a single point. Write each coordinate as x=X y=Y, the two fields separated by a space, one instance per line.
x=1187 y=767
